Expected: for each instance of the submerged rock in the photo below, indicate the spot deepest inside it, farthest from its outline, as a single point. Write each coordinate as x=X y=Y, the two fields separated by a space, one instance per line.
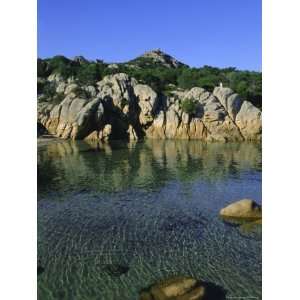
x=245 y=209
x=182 y=288
x=115 y=269
x=246 y=216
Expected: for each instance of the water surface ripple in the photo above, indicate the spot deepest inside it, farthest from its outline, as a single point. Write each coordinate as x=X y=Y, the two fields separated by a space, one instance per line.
x=150 y=207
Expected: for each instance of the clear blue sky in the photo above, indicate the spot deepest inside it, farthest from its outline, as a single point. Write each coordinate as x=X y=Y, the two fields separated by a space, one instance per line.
x=219 y=33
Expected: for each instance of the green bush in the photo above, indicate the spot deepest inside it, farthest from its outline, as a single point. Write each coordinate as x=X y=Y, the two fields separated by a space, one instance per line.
x=63 y=66
x=188 y=106
x=42 y=68
x=90 y=73
x=48 y=89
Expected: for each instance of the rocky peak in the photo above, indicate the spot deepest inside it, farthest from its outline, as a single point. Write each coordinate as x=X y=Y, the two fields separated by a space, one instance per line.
x=159 y=57
x=80 y=59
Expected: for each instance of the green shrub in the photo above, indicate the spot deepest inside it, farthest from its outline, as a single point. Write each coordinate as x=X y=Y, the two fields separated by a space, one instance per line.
x=188 y=106
x=42 y=68
x=89 y=73
x=48 y=89
x=63 y=66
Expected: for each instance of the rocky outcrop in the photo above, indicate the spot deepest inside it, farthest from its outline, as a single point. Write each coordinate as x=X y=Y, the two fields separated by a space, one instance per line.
x=242 y=209
x=119 y=107
x=159 y=57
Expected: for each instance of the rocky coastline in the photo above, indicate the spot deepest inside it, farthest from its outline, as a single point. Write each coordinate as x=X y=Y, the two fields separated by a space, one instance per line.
x=119 y=106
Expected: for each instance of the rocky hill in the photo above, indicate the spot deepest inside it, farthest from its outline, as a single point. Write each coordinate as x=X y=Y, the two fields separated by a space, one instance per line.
x=157 y=57
x=72 y=103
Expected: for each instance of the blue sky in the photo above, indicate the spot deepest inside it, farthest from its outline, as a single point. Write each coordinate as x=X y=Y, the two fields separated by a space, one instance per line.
x=219 y=33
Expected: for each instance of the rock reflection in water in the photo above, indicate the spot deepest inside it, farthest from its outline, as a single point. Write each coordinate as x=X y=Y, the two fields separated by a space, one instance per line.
x=70 y=165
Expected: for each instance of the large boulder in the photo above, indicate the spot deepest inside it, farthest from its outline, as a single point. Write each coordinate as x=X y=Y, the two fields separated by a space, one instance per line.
x=73 y=117
x=249 y=121
x=242 y=209
x=182 y=288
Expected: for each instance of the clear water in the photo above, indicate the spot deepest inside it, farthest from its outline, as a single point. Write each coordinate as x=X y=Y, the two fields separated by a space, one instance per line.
x=151 y=207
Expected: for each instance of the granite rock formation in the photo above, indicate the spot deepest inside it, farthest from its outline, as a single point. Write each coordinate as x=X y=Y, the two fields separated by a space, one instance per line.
x=119 y=107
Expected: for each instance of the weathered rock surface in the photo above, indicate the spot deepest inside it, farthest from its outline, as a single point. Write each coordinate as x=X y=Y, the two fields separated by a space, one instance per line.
x=119 y=107
x=249 y=121
x=182 y=288
x=242 y=209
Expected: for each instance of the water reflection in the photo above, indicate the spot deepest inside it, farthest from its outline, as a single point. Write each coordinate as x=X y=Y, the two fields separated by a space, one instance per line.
x=71 y=166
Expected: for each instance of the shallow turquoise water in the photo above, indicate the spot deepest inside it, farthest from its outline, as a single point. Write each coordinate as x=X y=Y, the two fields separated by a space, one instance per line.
x=151 y=207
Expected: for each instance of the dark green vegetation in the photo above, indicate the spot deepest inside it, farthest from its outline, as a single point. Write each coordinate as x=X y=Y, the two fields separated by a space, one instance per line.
x=188 y=106
x=161 y=78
